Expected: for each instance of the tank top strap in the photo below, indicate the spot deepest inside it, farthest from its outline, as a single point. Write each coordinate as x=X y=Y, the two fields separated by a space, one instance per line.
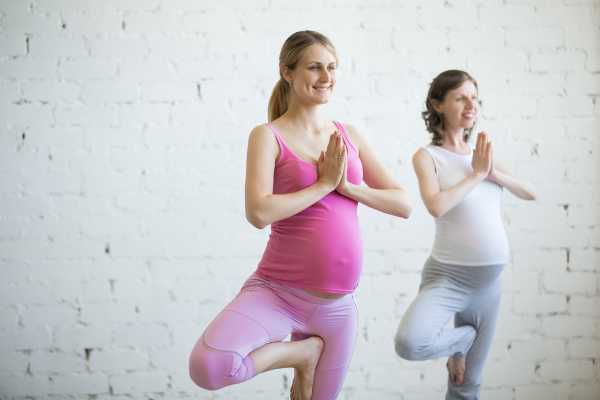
x=345 y=135
x=433 y=153
x=283 y=150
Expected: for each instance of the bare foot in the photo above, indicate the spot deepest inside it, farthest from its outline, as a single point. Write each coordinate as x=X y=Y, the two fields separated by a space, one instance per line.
x=456 y=369
x=304 y=373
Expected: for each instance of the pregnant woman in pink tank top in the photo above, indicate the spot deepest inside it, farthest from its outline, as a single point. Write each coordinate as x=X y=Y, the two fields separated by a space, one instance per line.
x=303 y=177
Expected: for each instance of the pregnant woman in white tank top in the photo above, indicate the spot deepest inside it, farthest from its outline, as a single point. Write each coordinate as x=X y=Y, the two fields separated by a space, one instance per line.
x=461 y=188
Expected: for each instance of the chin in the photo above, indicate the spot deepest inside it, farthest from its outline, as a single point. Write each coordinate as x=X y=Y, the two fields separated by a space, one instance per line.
x=320 y=100
x=468 y=124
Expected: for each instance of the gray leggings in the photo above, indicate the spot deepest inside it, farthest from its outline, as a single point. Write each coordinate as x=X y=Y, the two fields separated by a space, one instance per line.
x=472 y=296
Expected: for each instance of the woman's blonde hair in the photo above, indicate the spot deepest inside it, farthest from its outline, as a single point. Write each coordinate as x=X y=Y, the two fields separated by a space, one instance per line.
x=290 y=54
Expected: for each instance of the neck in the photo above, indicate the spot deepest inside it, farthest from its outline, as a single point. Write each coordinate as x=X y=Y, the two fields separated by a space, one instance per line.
x=453 y=138
x=306 y=118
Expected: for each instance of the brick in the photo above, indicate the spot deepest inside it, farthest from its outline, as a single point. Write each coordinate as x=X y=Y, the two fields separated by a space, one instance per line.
x=13 y=45
x=567 y=327
x=50 y=46
x=537 y=348
x=52 y=362
x=117 y=360
x=583 y=348
x=529 y=304
x=566 y=370
x=139 y=382
x=141 y=335
x=561 y=60
x=83 y=383
x=542 y=391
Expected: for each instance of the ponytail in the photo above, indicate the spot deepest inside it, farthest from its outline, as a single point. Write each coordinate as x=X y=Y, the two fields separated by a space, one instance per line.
x=278 y=103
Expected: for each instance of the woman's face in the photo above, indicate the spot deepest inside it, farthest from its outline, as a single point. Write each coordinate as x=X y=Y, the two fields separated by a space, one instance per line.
x=313 y=78
x=460 y=107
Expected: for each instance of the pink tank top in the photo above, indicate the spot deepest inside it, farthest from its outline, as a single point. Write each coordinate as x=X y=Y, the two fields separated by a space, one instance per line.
x=319 y=248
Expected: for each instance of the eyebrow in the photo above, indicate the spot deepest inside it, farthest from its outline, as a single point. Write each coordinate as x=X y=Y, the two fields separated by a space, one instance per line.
x=320 y=63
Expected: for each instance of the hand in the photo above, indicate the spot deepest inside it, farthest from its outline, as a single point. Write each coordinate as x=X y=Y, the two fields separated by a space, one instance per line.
x=482 y=156
x=342 y=187
x=330 y=166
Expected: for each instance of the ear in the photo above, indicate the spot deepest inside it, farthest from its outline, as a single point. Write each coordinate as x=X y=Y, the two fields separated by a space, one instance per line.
x=286 y=73
x=437 y=105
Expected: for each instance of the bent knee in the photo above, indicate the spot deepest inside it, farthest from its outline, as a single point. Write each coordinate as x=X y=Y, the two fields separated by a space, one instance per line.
x=408 y=347
x=212 y=369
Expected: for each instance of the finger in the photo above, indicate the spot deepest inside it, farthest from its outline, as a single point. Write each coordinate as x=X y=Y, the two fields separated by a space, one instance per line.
x=321 y=156
x=342 y=147
x=486 y=142
x=479 y=142
x=332 y=143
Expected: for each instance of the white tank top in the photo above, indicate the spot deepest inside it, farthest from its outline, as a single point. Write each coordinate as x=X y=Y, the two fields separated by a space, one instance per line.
x=472 y=233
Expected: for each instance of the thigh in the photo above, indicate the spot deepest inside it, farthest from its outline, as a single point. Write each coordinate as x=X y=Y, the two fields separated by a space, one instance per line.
x=431 y=310
x=255 y=317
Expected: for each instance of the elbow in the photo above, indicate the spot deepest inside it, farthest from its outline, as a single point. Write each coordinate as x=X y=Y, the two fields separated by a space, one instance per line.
x=435 y=212
x=526 y=195
x=435 y=207
x=404 y=208
x=404 y=211
x=531 y=196
x=255 y=219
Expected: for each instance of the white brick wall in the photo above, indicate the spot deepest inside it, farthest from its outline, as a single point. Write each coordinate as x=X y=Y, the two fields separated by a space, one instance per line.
x=123 y=127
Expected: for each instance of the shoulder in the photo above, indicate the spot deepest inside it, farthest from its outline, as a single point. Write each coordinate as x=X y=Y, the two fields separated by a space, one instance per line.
x=261 y=134
x=260 y=131
x=423 y=157
x=355 y=134
x=262 y=141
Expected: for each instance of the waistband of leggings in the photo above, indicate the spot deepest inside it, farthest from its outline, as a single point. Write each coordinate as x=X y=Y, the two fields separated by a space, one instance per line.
x=297 y=292
x=433 y=262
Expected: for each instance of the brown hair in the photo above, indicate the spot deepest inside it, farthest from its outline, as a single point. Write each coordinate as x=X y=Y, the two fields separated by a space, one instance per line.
x=440 y=86
x=290 y=54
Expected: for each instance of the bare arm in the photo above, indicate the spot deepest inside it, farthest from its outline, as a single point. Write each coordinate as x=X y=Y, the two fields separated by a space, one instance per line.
x=262 y=206
x=382 y=192
x=502 y=177
x=439 y=202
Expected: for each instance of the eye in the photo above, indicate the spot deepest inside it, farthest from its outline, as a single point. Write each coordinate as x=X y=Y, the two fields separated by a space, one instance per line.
x=332 y=67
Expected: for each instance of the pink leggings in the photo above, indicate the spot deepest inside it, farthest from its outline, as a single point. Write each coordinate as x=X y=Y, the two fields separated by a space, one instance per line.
x=265 y=312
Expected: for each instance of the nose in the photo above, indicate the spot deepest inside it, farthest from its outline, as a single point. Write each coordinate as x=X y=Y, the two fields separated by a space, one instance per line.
x=325 y=75
x=471 y=104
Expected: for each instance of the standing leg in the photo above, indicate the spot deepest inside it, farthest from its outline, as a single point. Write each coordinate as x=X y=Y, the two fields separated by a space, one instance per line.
x=337 y=324
x=482 y=313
